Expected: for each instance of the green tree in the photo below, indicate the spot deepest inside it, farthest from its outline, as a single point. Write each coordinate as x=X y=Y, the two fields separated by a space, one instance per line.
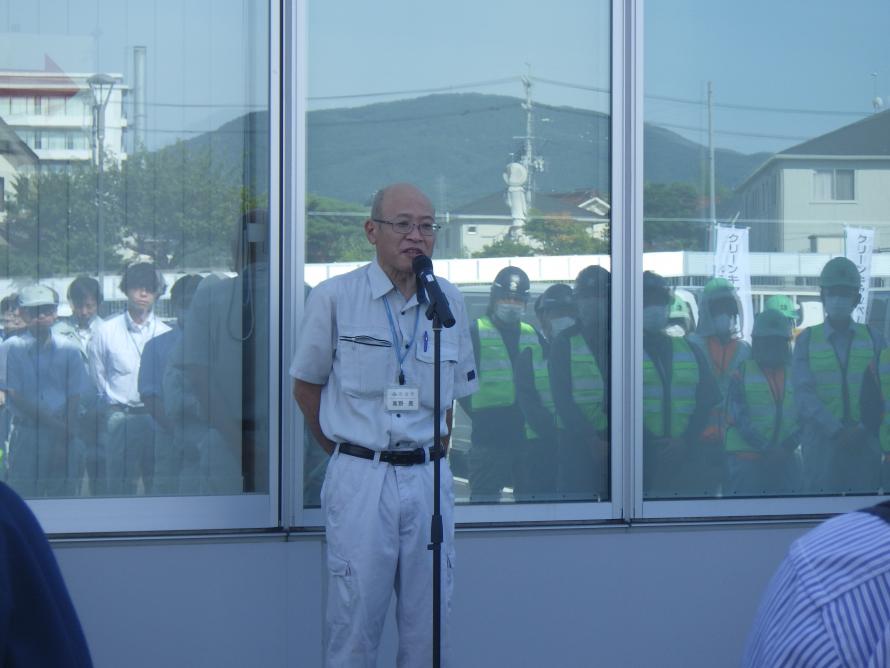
x=506 y=246
x=334 y=237
x=178 y=207
x=672 y=213
x=52 y=224
x=563 y=235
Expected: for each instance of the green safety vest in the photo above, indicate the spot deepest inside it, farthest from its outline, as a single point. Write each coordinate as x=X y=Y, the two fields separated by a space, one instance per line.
x=775 y=421
x=496 y=385
x=667 y=411
x=884 y=375
x=588 y=386
x=832 y=384
x=528 y=338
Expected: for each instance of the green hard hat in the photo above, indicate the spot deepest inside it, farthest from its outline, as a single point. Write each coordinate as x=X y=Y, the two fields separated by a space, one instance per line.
x=679 y=308
x=772 y=322
x=784 y=305
x=839 y=271
x=717 y=285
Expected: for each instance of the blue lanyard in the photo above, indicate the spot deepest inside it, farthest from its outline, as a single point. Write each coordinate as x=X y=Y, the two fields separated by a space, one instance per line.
x=396 y=344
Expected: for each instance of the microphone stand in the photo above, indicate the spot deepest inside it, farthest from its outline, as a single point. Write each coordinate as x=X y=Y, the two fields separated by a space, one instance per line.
x=436 y=529
x=434 y=312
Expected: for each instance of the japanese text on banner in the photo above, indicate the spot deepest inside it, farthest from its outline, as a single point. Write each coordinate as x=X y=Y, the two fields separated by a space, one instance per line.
x=732 y=262
x=859 y=243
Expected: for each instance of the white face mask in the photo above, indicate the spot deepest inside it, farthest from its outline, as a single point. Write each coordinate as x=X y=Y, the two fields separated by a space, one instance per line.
x=508 y=313
x=675 y=330
x=558 y=325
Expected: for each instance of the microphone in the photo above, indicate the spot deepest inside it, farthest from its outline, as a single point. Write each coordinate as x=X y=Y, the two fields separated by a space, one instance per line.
x=423 y=268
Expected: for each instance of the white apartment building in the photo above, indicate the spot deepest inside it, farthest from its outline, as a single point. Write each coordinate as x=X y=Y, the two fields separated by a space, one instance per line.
x=52 y=113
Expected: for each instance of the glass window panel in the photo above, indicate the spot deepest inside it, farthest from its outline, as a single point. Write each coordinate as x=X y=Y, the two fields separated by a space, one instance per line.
x=763 y=371
x=822 y=185
x=136 y=356
x=844 y=188
x=509 y=136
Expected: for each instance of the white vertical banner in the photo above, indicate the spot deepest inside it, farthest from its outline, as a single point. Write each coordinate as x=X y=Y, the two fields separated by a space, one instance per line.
x=859 y=242
x=732 y=262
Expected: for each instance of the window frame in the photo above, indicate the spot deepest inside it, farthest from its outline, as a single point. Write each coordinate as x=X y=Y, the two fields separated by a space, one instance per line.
x=627 y=504
x=96 y=516
x=833 y=173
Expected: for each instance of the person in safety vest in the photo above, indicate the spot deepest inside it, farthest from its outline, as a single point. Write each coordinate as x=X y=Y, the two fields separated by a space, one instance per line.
x=556 y=312
x=509 y=413
x=579 y=378
x=679 y=392
x=763 y=432
x=680 y=319
x=836 y=392
x=786 y=306
x=718 y=337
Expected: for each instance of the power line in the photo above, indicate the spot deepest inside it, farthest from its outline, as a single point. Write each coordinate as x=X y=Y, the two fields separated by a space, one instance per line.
x=407 y=119
x=440 y=89
x=754 y=135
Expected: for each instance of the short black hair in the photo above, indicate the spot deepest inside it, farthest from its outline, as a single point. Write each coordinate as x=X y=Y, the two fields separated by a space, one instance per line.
x=9 y=303
x=84 y=287
x=143 y=275
x=184 y=289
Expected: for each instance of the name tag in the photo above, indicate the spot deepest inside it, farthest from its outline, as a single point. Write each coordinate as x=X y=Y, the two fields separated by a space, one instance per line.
x=400 y=398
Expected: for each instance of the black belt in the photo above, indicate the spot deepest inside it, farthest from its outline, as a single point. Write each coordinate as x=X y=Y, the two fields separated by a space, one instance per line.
x=130 y=410
x=394 y=457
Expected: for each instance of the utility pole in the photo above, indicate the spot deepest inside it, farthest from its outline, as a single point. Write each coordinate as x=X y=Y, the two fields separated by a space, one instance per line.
x=101 y=86
x=711 y=168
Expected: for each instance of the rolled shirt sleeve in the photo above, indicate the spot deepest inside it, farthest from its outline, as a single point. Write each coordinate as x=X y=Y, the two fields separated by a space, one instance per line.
x=316 y=347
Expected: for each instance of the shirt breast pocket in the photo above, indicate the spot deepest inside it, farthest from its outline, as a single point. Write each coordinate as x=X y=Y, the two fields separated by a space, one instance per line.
x=425 y=361
x=366 y=360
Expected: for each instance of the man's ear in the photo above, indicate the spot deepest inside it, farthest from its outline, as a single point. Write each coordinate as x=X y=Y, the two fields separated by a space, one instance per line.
x=371 y=231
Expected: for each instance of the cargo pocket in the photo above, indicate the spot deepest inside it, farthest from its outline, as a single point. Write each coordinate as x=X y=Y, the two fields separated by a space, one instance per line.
x=341 y=591
x=449 y=581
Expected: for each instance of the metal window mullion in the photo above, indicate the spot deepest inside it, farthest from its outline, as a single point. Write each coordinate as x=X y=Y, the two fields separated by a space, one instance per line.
x=293 y=179
x=627 y=258
x=277 y=455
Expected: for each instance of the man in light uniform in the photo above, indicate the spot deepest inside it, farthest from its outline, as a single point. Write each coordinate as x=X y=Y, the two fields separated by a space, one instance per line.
x=363 y=377
x=45 y=378
x=85 y=298
x=115 y=354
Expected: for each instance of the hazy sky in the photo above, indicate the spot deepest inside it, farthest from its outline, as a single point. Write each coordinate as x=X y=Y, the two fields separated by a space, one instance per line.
x=804 y=66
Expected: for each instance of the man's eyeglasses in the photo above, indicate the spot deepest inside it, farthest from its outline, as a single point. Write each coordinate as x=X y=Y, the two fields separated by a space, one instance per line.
x=404 y=227
x=41 y=311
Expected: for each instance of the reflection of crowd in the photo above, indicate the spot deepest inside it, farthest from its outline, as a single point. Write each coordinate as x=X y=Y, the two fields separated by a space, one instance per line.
x=721 y=416
x=135 y=404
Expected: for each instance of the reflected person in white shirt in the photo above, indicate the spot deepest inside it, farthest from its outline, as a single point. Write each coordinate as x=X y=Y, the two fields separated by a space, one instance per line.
x=125 y=456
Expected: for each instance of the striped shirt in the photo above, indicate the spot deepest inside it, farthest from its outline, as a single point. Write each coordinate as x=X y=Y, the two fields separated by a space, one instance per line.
x=829 y=602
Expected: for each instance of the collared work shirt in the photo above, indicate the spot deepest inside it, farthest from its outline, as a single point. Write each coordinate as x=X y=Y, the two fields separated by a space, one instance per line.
x=80 y=336
x=346 y=345
x=50 y=374
x=827 y=603
x=115 y=354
